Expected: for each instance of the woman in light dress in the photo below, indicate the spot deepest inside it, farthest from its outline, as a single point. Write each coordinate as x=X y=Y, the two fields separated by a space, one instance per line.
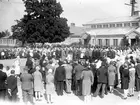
x=17 y=66
x=132 y=80
x=112 y=71
x=50 y=88
x=38 y=83
x=87 y=80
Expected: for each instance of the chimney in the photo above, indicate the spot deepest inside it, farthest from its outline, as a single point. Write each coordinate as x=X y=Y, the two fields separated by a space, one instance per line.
x=72 y=24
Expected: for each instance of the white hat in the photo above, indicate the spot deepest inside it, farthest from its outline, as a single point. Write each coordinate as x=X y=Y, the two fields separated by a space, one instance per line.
x=50 y=71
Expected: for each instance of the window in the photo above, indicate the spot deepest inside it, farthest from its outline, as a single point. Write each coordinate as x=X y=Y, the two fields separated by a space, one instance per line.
x=126 y=24
x=119 y=25
x=99 y=26
x=105 y=25
x=93 y=26
x=112 y=25
x=135 y=24
x=107 y=42
x=115 y=42
x=100 y=42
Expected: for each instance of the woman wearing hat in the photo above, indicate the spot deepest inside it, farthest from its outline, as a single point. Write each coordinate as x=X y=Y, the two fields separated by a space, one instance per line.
x=38 y=83
x=111 y=76
x=50 y=89
x=132 y=79
x=87 y=81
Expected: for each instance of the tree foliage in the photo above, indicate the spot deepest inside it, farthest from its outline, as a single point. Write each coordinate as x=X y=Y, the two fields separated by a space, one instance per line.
x=4 y=33
x=41 y=23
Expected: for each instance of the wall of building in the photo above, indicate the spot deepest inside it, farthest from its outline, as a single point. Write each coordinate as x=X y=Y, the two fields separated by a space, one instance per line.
x=95 y=41
x=7 y=42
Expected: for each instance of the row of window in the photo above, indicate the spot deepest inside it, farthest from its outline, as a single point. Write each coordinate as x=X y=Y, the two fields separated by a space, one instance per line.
x=115 y=25
x=7 y=41
x=107 y=42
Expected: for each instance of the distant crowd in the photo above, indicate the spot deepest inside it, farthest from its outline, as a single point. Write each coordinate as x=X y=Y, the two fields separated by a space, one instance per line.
x=83 y=71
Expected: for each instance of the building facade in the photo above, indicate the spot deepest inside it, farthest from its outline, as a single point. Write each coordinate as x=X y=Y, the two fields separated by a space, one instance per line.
x=110 y=31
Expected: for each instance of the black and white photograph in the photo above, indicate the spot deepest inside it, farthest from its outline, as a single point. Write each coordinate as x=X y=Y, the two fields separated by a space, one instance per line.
x=70 y=52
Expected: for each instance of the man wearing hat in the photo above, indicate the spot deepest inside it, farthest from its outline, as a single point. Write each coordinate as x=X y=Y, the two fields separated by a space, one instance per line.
x=12 y=86
x=27 y=86
x=3 y=78
x=59 y=78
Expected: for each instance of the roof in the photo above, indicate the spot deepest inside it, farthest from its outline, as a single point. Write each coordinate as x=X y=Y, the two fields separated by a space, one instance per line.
x=76 y=31
x=112 y=20
x=112 y=31
x=138 y=30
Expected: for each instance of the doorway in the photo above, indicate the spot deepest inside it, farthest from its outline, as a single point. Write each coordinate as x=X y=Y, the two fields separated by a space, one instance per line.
x=133 y=42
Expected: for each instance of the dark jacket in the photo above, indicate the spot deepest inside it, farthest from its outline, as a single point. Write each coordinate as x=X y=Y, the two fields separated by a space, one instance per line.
x=78 y=71
x=137 y=77
x=3 y=78
x=60 y=74
x=12 y=84
x=102 y=75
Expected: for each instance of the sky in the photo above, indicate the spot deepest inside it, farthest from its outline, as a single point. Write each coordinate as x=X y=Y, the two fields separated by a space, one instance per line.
x=76 y=11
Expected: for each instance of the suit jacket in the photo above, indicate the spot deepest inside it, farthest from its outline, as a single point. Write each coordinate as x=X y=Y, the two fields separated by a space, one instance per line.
x=102 y=75
x=26 y=81
x=3 y=78
x=68 y=69
x=138 y=70
x=12 y=84
x=29 y=64
x=60 y=74
x=78 y=71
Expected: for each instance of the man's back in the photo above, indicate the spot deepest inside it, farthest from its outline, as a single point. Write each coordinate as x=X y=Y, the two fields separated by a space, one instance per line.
x=12 y=83
x=26 y=81
x=78 y=71
x=68 y=69
x=60 y=73
x=3 y=77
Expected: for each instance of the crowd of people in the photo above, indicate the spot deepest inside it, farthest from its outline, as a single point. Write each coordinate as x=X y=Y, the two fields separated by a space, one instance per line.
x=81 y=71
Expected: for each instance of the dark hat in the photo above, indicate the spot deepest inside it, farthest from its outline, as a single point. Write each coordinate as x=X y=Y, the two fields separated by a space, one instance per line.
x=12 y=71
x=60 y=63
x=1 y=66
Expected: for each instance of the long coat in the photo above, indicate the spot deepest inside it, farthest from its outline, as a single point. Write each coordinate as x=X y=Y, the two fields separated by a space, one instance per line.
x=132 y=78
x=111 y=75
x=88 y=80
x=124 y=72
x=38 y=84
x=137 y=76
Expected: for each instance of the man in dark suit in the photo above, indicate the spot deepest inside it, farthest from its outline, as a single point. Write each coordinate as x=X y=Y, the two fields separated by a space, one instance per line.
x=59 y=79
x=3 y=78
x=77 y=71
x=27 y=86
x=12 y=86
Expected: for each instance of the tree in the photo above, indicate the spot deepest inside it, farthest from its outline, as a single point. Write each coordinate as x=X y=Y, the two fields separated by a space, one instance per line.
x=41 y=23
x=4 y=33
